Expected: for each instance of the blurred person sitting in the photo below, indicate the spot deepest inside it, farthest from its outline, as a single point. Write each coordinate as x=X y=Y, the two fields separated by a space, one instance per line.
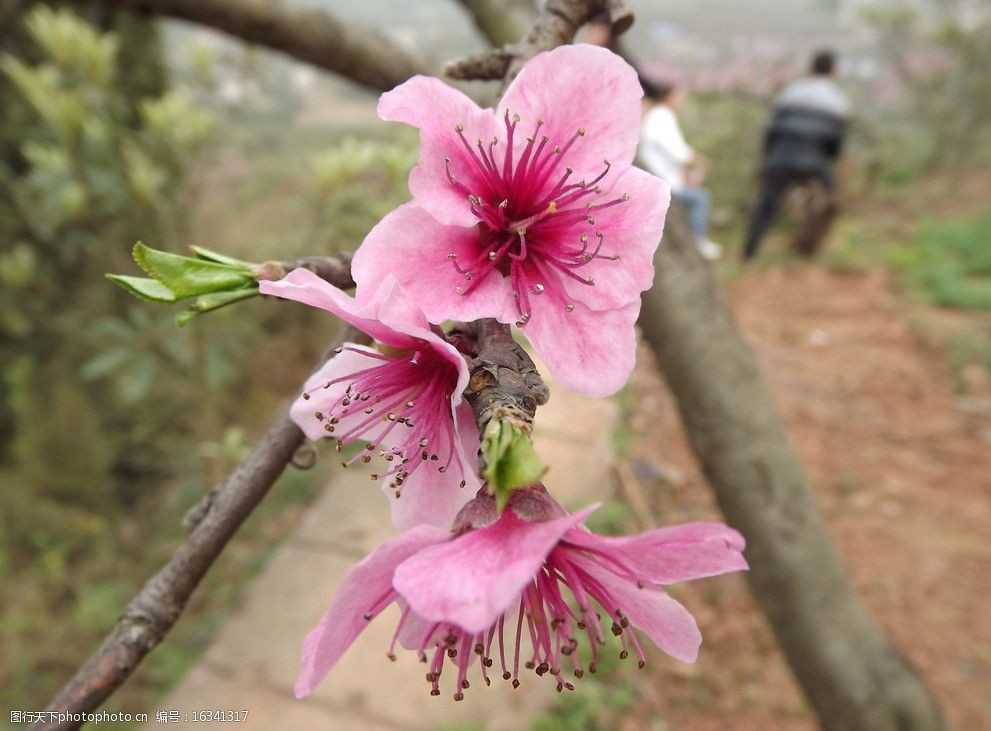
x=802 y=141
x=665 y=153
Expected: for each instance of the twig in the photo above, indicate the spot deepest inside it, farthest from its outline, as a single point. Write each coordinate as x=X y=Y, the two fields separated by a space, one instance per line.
x=504 y=383
x=555 y=25
x=335 y=269
x=157 y=606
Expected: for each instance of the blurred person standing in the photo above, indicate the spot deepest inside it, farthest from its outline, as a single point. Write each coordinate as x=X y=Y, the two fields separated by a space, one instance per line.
x=664 y=152
x=802 y=141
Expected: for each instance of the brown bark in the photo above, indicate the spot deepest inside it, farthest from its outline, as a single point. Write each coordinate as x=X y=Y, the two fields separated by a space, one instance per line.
x=504 y=384
x=555 y=24
x=853 y=676
x=359 y=53
x=335 y=269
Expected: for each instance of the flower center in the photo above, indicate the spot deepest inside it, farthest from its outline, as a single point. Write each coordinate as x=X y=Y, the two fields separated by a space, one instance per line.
x=534 y=220
x=401 y=405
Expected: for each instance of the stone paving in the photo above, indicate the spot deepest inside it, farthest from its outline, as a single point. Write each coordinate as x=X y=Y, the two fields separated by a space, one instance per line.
x=253 y=660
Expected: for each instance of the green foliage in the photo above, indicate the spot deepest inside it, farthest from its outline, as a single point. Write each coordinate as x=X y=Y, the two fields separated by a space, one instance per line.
x=213 y=279
x=112 y=421
x=950 y=263
x=358 y=181
x=87 y=162
x=95 y=405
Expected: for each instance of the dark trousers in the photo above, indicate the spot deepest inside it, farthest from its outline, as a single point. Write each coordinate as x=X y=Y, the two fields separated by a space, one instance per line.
x=774 y=183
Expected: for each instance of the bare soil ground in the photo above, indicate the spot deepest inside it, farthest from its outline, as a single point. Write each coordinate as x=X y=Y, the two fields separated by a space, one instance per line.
x=902 y=470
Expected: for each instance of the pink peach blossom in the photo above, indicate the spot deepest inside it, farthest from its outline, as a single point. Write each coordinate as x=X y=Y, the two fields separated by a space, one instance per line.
x=403 y=399
x=531 y=213
x=478 y=591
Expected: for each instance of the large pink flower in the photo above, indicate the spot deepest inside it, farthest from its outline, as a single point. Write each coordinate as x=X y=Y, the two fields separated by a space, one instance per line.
x=478 y=591
x=403 y=399
x=530 y=213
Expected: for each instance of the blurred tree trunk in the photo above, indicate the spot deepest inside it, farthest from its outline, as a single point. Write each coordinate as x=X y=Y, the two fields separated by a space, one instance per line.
x=502 y=21
x=854 y=677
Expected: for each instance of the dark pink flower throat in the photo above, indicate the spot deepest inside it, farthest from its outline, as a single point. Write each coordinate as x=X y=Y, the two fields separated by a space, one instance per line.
x=536 y=224
x=401 y=405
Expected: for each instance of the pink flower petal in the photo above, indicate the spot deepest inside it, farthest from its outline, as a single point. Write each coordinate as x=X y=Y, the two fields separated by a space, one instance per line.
x=467 y=449
x=669 y=555
x=383 y=311
x=304 y=286
x=322 y=400
x=410 y=245
x=414 y=629
x=580 y=86
x=588 y=352
x=631 y=230
x=366 y=588
x=661 y=618
x=473 y=579
x=395 y=309
x=430 y=497
x=435 y=108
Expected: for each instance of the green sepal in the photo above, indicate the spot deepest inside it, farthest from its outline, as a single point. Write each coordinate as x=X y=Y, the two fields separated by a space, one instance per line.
x=148 y=289
x=511 y=462
x=214 y=301
x=186 y=276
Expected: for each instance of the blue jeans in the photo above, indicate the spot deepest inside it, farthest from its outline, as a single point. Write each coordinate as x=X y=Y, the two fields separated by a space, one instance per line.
x=698 y=202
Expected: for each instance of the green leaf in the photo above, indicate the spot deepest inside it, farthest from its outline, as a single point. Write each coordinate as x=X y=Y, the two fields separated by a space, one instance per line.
x=143 y=287
x=214 y=301
x=189 y=277
x=510 y=459
x=216 y=256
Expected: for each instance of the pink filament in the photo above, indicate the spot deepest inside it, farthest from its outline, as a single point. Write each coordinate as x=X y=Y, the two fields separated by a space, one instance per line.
x=526 y=217
x=412 y=394
x=552 y=624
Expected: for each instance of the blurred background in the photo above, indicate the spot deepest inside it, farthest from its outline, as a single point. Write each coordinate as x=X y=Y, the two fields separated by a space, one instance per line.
x=116 y=127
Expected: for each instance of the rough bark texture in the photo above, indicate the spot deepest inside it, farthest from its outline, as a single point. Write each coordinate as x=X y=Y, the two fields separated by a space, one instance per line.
x=504 y=384
x=359 y=53
x=157 y=606
x=853 y=676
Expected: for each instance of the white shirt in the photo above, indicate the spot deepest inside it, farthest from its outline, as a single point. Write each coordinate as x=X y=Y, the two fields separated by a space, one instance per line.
x=663 y=150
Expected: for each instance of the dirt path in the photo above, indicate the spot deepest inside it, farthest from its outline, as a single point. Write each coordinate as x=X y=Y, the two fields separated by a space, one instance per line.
x=254 y=659
x=902 y=469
